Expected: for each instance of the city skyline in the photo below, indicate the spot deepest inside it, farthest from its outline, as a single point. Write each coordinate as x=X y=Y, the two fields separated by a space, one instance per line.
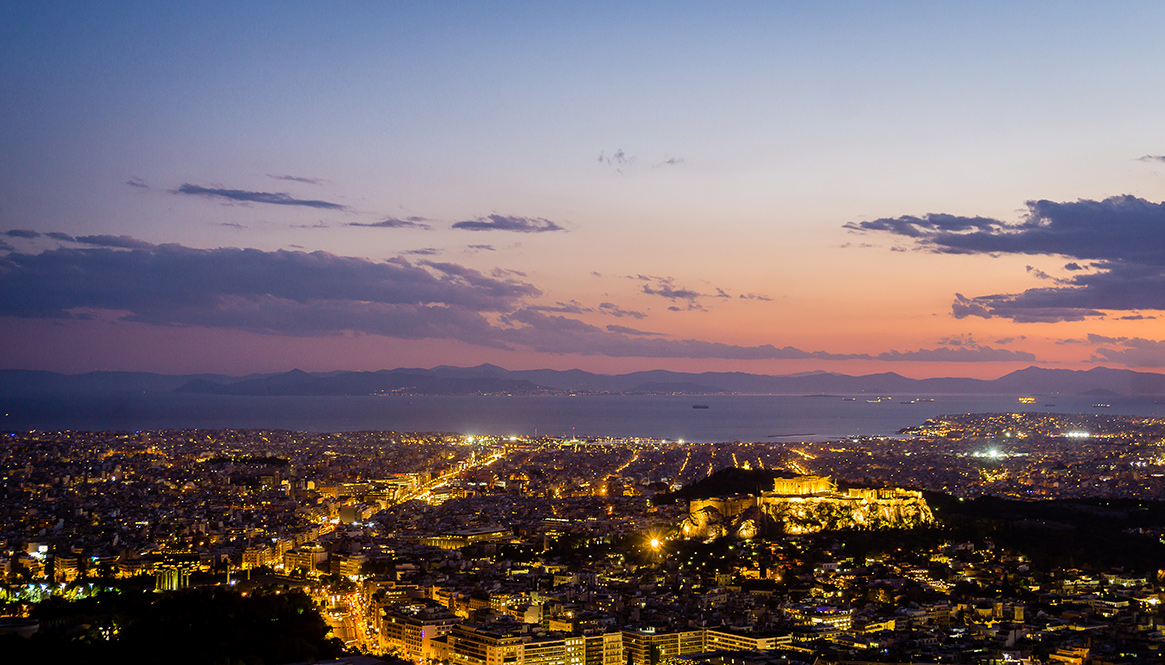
x=763 y=188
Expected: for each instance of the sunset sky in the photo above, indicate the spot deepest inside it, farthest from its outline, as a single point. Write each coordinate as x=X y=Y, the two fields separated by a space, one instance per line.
x=927 y=188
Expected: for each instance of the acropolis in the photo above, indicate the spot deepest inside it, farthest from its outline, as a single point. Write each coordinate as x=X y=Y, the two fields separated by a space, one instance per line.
x=804 y=504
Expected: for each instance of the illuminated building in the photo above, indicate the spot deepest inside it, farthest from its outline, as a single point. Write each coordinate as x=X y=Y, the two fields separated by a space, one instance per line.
x=171 y=579
x=410 y=629
x=458 y=539
x=512 y=644
x=647 y=647
x=805 y=504
x=306 y=556
x=804 y=486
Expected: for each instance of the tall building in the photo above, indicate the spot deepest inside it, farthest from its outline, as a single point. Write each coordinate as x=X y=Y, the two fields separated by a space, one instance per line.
x=604 y=648
x=410 y=629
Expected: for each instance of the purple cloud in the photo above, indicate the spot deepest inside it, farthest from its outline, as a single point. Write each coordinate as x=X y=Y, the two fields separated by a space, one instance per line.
x=1130 y=351
x=572 y=307
x=296 y=178
x=117 y=242
x=275 y=198
x=959 y=354
x=282 y=292
x=617 y=160
x=1123 y=238
x=615 y=310
x=394 y=223
x=665 y=287
x=313 y=294
x=509 y=223
x=624 y=330
x=670 y=292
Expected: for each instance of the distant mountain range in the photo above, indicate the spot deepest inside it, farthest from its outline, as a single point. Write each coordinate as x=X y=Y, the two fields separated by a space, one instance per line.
x=490 y=379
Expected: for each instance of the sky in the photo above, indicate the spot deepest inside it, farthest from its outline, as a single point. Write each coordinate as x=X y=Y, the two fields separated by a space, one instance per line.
x=932 y=189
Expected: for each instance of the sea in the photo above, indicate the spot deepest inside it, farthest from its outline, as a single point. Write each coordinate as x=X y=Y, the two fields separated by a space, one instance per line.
x=745 y=418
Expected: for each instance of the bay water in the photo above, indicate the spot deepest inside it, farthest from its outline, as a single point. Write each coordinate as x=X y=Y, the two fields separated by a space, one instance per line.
x=726 y=418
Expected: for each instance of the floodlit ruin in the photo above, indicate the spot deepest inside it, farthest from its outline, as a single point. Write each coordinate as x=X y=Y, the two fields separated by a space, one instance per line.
x=804 y=504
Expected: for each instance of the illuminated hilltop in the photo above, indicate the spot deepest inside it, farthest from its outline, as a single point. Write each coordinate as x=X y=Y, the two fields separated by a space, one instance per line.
x=804 y=504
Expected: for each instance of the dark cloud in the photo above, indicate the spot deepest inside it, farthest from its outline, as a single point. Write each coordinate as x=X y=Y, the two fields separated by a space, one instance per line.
x=672 y=161
x=509 y=223
x=755 y=296
x=314 y=294
x=665 y=288
x=295 y=178
x=232 y=225
x=960 y=348
x=318 y=225
x=958 y=354
x=1135 y=317
x=394 y=223
x=480 y=248
x=137 y=182
x=958 y=340
x=559 y=334
x=57 y=235
x=116 y=242
x=615 y=310
x=624 y=330
x=281 y=292
x=504 y=273
x=1008 y=340
x=424 y=251
x=1123 y=238
x=927 y=225
x=1039 y=274
x=1129 y=351
x=22 y=233
x=275 y=198
x=1027 y=309
x=1152 y=158
x=5 y=247
x=572 y=307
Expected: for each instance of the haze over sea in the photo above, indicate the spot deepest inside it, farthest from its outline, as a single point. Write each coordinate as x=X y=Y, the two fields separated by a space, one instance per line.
x=727 y=418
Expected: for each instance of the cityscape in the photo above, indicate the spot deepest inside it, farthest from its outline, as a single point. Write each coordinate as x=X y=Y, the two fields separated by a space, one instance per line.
x=970 y=538
x=593 y=333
